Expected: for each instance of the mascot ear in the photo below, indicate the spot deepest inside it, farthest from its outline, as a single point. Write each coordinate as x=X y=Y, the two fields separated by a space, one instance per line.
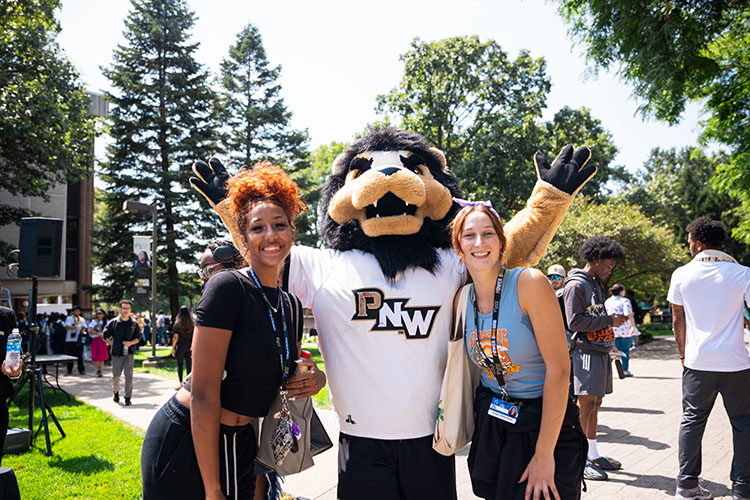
x=441 y=156
x=338 y=167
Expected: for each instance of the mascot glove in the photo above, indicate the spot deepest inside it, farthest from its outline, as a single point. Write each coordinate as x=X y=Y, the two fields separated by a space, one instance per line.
x=211 y=181
x=568 y=172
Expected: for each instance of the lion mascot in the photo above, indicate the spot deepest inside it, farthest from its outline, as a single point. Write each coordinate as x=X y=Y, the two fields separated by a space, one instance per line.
x=382 y=296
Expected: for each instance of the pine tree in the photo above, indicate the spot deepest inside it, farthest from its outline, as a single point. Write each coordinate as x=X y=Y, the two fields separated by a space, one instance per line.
x=254 y=118
x=161 y=121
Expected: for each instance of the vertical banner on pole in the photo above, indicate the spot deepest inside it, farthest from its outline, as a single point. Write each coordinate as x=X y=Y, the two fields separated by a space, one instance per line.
x=142 y=267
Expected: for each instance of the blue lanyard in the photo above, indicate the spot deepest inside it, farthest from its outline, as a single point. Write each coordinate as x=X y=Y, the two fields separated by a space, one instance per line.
x=284 y=356
x=495 y=364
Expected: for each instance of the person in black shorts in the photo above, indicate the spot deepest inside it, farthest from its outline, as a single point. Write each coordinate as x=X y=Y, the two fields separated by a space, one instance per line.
x=201 y=444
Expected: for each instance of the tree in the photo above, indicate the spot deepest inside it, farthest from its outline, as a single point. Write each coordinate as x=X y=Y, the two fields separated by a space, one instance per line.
x=673 y=189
x=161 y=120
x=651 y=252
x=676 y=51
x=453 y=89
x=310 y=176
x=254 y=118
x=484 y=111
x=45 y=128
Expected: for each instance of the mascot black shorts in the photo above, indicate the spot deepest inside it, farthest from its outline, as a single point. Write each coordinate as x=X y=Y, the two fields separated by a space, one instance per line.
x=394 y=469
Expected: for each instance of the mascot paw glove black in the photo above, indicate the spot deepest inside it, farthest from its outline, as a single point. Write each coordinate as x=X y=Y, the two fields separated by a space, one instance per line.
x=567 y=173
x=211 y=181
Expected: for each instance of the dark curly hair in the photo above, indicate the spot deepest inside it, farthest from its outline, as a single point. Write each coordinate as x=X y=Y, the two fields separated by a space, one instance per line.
x=601 y=247
x=708 y=231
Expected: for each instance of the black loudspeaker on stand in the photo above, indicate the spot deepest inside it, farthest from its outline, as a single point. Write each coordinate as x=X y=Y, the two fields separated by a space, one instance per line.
x=40 y=246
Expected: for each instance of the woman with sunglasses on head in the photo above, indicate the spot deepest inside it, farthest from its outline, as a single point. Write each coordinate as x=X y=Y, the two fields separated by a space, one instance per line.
x=99 y=349
x=201 y=444
x=527 y=440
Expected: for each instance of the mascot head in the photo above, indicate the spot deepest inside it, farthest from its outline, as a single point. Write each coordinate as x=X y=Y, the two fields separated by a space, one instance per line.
x=390 y=194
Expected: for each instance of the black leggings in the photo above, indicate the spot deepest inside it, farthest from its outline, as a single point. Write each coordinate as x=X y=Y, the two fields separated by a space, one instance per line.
x=187 y=356
x=169 y=466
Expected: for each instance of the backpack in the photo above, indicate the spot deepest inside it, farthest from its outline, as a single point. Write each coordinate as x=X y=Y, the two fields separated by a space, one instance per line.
x=571 y=335
x=597 y=340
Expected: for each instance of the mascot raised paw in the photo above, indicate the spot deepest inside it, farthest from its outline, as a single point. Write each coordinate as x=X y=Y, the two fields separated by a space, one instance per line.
x=382 y=296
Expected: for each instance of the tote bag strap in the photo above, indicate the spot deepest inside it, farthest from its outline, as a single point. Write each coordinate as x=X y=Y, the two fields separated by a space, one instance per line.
x=458 y=323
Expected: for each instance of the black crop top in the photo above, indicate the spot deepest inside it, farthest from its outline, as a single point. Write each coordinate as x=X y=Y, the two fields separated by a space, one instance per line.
x=232 y=301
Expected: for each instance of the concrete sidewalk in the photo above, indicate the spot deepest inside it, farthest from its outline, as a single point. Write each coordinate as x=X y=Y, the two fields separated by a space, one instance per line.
x=638 y=425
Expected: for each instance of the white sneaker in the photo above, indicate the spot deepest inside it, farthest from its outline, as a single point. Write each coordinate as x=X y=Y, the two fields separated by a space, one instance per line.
x=697 y=493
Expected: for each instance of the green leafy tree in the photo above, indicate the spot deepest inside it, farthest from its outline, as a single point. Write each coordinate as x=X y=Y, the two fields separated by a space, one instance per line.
x=45 y=128
x=255 y=121
x=651 y=252
x=161 y=120
x=673 y=189
x=676 y=51
x=453 y=89
x=310 y=176
x=484 y=111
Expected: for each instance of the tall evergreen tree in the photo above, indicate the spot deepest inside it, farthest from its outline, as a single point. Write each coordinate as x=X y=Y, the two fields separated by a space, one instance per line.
x=161 y=120
x=254 y=118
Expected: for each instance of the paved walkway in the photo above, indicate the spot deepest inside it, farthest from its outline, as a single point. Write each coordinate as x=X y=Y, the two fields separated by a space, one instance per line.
x=638 y=425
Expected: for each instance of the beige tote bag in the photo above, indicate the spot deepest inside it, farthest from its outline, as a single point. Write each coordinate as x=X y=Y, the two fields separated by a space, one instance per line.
x=455 y=419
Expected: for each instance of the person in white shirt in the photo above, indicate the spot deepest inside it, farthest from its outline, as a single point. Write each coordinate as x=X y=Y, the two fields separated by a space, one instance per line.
x=707 y=296
x=74 y=323
x=618 y=303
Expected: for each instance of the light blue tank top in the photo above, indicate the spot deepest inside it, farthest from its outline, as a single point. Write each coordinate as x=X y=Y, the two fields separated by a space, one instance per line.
x=516 y=344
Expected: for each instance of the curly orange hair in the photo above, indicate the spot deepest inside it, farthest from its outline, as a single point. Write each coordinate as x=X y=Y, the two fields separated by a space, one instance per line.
x=264 y=182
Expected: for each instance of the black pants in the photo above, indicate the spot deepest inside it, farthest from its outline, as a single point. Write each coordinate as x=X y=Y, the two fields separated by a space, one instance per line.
x=394 y=469
x=699 y=390
x=500 y=451
x=73 y=349
x=187 y=357
x=170 y=469
x=4 y=419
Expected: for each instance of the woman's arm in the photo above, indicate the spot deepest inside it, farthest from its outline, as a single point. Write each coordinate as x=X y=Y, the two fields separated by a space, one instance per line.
x=537 y=299
x=175 y=338
x=209 y=355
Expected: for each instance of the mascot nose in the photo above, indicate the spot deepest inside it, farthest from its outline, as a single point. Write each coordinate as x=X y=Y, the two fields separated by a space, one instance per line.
x=388 y=170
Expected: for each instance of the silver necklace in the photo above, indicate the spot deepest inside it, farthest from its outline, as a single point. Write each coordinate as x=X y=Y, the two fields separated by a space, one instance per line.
x=278 y=301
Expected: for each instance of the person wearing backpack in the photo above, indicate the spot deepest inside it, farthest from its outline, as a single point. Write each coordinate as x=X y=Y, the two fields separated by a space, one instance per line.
x=586 y=316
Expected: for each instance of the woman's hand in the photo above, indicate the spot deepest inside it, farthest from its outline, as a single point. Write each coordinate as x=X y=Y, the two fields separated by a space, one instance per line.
x=540 y=474
x=307 y=383
x=12 y=373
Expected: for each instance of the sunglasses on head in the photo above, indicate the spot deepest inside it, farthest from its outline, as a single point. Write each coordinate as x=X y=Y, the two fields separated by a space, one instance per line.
x=554 y=277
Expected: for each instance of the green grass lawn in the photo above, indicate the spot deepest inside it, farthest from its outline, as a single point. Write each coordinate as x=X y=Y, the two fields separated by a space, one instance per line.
x=656 y=329
x=169 y=370
x=98 y=459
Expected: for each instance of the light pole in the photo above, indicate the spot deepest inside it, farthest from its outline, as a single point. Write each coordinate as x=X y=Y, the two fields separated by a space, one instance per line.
x=137 y=206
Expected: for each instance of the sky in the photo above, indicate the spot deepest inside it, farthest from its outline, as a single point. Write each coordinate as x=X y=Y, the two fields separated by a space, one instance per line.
x=337 y=56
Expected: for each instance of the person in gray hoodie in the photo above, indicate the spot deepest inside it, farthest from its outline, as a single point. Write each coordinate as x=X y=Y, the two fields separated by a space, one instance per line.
x=586 y=315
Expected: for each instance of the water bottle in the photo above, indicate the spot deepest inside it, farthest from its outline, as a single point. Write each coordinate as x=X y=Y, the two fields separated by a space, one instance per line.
x=303 y=355
x=13 y=350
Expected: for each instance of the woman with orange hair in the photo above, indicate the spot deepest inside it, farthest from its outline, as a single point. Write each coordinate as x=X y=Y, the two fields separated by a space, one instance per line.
x=201 y=443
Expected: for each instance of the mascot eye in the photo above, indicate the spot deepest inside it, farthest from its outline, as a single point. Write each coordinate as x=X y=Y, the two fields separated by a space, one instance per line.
x=415 y=163
x=359 y=165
